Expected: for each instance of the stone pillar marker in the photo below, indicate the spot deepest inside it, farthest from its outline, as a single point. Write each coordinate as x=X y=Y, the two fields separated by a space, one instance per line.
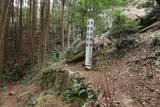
x=89 y=44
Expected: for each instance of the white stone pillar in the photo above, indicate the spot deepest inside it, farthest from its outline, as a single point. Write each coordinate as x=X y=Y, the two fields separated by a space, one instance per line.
x=89 y=43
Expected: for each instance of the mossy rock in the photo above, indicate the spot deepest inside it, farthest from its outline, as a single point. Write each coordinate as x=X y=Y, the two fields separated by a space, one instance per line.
x=155 y=41
x=125 y=44
x=76 y=58
x=55 y=78
x=76 y=53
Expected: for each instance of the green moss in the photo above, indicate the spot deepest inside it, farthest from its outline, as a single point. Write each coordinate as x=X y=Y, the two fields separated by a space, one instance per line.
x=52 y=78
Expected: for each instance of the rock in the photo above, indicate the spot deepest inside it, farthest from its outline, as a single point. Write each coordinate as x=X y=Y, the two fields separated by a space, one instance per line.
x=158 y=1
x=12 y=93
x=76 y=58
x=91 y=104
x=58 y=78
x=101 y=41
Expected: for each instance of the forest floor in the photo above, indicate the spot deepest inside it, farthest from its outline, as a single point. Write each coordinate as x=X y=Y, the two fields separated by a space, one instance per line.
x=21 y=95
x=133 y=81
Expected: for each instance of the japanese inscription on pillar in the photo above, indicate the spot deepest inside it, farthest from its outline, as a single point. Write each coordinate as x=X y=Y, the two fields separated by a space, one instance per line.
x=89 y=43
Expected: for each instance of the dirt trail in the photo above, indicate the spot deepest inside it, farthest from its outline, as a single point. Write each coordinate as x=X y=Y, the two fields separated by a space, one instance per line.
x=97 y=79
x=20 y=95
x=10 y=97
x=128 y=78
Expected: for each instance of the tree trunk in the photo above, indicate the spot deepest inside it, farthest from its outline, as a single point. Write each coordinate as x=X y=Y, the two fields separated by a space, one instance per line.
x=69 y=28
x=33 y=28
x=20 y=30
x=62 y=22
x=4 y=23
x=47 y=20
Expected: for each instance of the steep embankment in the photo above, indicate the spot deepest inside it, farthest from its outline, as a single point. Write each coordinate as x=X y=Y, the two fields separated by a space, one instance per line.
x=129 y=81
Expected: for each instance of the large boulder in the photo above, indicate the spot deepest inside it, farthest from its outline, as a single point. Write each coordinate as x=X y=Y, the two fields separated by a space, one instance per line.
x=57 y=78
x=101 y=41
x=77 y=51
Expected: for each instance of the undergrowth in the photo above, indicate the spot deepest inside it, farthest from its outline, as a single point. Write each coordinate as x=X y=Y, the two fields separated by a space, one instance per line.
x=151 y=17
x=54 y=57
x=23 y=73
x=123 y=26
x=79 y=91
x=122 y=33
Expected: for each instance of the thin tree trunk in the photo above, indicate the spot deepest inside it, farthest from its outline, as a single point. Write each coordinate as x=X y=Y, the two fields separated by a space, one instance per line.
x=33 y=28
x=45 y=19
x=62 y=22
x=40 y=43
x=20 y=30
x=69 y=28
x=69 y=35
x=46 y=28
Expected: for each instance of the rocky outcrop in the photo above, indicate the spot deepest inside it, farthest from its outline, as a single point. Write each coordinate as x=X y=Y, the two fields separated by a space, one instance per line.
x=77 y=51
x=70 y=85
x=58 y=78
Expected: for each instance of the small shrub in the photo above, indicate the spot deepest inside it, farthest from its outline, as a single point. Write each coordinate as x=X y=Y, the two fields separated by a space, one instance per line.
x=151 y=17
x=146 y=4
x=149 y=76
x=66 y=95
x=125 y=44
x=69 y=53
x=122 y=32
x=122 y=26
x=122 y=47
x=157 y=62
x=12 y=75
x=79 y=91
x=154 y=41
